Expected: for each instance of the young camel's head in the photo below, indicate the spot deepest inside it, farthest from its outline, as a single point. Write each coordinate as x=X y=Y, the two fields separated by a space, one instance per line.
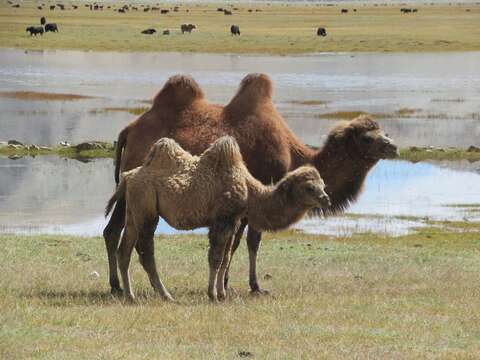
x=305 y=188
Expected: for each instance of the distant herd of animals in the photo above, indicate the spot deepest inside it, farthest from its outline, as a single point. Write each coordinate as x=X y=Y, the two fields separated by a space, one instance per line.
x=238 y=165
x=44 y=27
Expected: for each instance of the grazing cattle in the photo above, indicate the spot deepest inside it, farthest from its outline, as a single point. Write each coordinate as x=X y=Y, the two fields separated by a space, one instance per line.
x=121 y=11
x=52 y=27
x=16 y=6
x=175 y=9
x=43 y=20
x=146 y=9
x=52 y=7
x=235 y=30
x=344 y=11
x=39 y=8
x=75 y=7
x=220 y=9
x=164 y=11
x=149 y=31
x=227 y=12
x=166 y=32
x=321 y=31
x=187 y=28
x=34 y=30
x=250 y=10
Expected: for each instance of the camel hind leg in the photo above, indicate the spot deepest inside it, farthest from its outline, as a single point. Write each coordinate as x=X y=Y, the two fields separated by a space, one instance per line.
x=236 y=243
x=145 y=249
x=124 y=254
x=111 y=234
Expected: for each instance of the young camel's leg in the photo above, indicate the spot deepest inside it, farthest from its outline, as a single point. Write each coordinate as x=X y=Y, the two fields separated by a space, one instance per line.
x=124 y=254
x=227 y=256
x=145 y=249
x=111 y=234
x=236 y=243
x=253 y=241
x=220 y=234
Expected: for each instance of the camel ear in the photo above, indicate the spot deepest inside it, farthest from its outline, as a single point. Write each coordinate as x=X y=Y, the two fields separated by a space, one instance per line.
x=286 y=188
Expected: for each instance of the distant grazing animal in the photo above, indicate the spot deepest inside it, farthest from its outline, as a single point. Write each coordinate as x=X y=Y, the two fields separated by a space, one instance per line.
x=321 y=31
x=75 y=7
x=164 y=11
x=344 y=11
x=16 y=6
x=270 y=149
x=175 y=9
x=166 y=32
x=121 y=11
x=220 y=9
x=227 y=12
x=235 y=30
x=52 y=27
x=212 y=190
x=39 y=8
x=149 y=31
x=43 y=20
x=34 y=30
x=146 y=9
x=52 y=7
x=187 y=28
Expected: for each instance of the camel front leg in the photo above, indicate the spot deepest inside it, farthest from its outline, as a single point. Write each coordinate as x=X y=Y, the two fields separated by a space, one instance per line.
x=236 y=243
x=220 y=235
x=253 y=241
x=111 y=234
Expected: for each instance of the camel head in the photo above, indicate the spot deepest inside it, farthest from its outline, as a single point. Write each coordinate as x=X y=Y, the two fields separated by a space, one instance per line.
x=364 y=139
x=304 y=187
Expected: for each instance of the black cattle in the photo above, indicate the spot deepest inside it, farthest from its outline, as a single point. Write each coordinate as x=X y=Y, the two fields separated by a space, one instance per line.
x=43 y=20
x=75 y=7
x=121 y=11
x=16 y=6
x=235 y=30
x=344 y=11
x=39 y=8
x=163 y=11
x=52 y=27
x=166 y=32
x=52 y=7
x=227 y=12
x=321 y=31
x=149 y=31
x=34 y=30
x=187 y=28
x=220 y=9
x=146 y=9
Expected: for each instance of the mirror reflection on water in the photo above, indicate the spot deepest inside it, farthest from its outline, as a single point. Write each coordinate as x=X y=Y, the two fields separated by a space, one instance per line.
x=66 y=196
x=419 y=99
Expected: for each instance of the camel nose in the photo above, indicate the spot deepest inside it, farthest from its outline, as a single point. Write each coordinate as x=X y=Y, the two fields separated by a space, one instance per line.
x=324 y=201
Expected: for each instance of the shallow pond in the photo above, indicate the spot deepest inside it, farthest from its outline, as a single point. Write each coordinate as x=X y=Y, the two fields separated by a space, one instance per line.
x=440 y=92
x=53 y=195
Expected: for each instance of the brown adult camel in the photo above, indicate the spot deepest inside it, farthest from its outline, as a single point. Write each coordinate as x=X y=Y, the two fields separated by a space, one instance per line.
x=269 y=148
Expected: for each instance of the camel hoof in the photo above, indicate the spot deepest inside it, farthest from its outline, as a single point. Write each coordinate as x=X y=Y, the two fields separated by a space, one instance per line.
x=116 y=291
x=259 y=292
x=168 y=298
x=222 y=297
x=213 y=298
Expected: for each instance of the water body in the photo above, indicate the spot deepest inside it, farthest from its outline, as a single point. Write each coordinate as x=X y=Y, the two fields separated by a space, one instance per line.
x=443 y=89
x=65 y=196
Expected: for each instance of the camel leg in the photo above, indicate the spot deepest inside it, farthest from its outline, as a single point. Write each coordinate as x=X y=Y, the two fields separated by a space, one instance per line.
x=227 y=255
x=236 y=243
x=219 y=235
x=253 y=241
x=145 y=249
x=124 y=254
x=111 y=234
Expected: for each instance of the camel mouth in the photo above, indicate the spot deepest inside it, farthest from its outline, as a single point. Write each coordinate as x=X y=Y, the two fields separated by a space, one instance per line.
x=390 y=151
x=323 y=201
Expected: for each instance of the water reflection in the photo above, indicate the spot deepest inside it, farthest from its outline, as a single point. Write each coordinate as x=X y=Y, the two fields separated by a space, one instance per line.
x=447 y=84
x=65 y=196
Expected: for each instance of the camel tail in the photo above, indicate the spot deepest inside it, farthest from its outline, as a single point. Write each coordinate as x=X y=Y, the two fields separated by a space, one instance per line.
x=121 y=142
x=119 y=193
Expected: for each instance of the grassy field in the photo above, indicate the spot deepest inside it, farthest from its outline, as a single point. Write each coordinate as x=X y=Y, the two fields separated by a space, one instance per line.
x=410 y=297
x=276 y=29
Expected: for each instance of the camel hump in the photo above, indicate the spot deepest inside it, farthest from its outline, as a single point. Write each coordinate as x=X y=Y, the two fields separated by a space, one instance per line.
x=179 y=91
x=254 y=89
x=224 y=152
x=165 y=152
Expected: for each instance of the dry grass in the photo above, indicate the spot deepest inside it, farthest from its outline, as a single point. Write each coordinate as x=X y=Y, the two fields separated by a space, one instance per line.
x=363 y=297
x=277 y=29
x=41 y=96
x=309 y=102
x=351 y=114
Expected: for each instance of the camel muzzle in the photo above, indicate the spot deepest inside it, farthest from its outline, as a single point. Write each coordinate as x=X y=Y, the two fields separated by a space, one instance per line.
x=389 y=149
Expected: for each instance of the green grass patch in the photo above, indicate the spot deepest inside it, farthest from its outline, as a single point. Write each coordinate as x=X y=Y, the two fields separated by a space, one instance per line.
x=138 y=110
x=416 y=154
x=367 y=296
x=276 y=29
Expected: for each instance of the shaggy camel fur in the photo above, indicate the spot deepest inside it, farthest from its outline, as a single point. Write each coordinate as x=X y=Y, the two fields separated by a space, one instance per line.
x=270 y=149
x=214 y=190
